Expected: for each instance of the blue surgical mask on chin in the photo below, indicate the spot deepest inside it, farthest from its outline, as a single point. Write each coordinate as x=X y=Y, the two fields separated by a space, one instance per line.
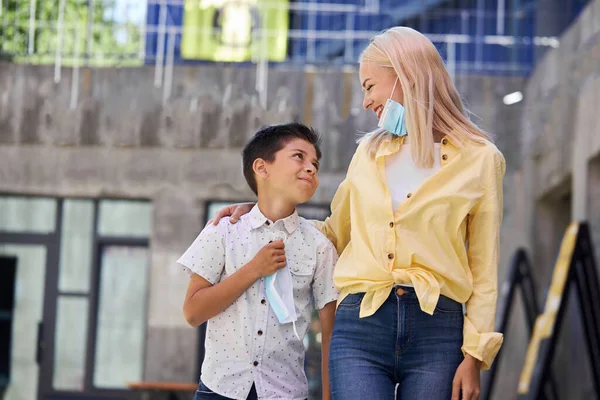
x=280 y=293
x=392 y=116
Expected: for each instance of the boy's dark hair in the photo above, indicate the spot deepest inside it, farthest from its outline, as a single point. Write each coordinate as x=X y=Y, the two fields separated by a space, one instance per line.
x=269 y=140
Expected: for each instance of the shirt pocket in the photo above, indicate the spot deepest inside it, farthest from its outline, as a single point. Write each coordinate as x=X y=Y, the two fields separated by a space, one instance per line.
x=302 y=277
x=302 y=273
x=301 y=268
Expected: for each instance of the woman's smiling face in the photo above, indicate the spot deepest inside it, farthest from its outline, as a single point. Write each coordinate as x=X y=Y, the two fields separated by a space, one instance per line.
x=377 y=84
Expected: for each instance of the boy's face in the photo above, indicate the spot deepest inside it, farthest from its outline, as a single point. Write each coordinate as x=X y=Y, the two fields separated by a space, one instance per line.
x=293 y=174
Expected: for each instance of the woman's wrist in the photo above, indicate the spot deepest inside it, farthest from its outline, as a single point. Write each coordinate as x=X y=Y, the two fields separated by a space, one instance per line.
x=473 y=360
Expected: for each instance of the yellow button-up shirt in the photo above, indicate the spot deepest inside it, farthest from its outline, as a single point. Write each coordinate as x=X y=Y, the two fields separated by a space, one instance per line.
x=442 y=239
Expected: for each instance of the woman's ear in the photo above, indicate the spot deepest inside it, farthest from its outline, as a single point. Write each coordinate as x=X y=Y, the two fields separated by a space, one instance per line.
x=259 y=166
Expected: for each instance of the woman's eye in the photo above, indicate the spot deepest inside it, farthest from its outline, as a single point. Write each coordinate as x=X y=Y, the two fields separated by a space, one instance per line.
x=369 y=88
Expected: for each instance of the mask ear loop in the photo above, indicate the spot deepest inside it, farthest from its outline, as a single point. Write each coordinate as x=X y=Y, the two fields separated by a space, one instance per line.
x=282 y=236
x=394 y=88
x=295 y=330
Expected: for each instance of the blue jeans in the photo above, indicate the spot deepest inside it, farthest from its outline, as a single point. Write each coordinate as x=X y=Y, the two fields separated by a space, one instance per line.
x=204 y=393
x=399 y=350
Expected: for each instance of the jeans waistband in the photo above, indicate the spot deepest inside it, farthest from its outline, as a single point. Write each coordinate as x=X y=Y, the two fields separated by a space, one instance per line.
x=409 y=292
x=404 y=291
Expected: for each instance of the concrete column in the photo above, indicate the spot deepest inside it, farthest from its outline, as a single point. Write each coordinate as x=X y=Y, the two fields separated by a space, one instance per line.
x=581 y=148
x=170 y=343
x=551 y=18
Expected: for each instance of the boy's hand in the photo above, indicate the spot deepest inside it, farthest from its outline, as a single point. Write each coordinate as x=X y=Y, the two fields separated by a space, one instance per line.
x=269 y=259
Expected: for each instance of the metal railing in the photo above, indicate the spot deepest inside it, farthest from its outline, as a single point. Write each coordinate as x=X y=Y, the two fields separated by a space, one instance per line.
x=576 y=265
x=520 y=278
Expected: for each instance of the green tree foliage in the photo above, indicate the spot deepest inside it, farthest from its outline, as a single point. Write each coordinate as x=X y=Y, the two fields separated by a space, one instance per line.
x=99 y=40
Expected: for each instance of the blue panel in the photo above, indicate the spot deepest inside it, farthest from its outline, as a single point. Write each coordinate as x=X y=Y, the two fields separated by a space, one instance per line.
x=174 y=19
x=493 y=58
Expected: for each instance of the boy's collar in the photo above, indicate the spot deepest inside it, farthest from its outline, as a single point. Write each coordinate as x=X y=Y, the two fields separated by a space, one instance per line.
x=257 y=219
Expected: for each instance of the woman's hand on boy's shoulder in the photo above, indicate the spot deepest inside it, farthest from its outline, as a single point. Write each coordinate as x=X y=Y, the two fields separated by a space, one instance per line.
x=234 y=212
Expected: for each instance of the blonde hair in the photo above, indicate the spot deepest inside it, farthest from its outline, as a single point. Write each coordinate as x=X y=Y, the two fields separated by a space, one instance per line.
x=430 y=98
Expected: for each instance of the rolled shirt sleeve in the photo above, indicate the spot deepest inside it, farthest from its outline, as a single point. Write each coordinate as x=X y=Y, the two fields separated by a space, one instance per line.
x=480 y=340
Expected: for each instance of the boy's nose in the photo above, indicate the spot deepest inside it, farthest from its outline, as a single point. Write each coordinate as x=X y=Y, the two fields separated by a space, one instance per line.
x=310 y=169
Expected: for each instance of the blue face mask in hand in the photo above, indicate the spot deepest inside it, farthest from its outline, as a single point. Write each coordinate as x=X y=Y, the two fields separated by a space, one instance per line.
x=392 y=116
x=279 y=289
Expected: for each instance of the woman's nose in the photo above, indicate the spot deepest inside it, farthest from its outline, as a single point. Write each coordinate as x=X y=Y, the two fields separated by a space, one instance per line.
x=367 y=102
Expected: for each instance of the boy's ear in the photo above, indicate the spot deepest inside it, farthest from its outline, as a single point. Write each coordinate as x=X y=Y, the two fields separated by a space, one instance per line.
x=259 y=166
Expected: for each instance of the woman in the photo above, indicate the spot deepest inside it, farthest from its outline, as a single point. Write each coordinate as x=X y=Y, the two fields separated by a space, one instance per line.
x=416 y=223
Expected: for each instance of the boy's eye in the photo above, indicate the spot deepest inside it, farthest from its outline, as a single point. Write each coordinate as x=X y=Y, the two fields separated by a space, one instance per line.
x=316 y=166
x=299 y=155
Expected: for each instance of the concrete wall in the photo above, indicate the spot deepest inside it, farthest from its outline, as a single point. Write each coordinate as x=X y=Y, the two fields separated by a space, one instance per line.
x=114 y=135
x=559 y=175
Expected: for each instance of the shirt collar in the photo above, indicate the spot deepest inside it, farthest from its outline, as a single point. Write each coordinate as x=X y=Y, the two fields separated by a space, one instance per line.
x=257 y=219
x=392 y=145
x=389 y=146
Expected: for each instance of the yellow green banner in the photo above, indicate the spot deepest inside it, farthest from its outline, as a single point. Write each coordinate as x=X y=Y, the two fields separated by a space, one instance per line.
x=235 y=30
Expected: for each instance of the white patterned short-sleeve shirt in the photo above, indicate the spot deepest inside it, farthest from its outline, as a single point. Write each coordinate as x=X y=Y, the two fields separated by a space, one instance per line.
x=245 y=343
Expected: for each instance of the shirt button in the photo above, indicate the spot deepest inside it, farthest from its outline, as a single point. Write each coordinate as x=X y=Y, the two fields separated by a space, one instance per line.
x=267 y=223
x=390 y=256
x=444 y=141
x=263 y=301
x=391 y=224
x=255 y=363
x=259 y=333
x=444 y=157
x=408 y=195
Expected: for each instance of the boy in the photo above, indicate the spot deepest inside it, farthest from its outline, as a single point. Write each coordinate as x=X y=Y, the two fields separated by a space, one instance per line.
x=250 y=354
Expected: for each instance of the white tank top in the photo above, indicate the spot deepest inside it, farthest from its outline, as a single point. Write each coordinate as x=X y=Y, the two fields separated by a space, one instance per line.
x=403 y=175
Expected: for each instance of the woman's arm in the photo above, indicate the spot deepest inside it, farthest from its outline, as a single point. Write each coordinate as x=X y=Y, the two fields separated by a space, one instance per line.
x=337 y=226
x=480 y=340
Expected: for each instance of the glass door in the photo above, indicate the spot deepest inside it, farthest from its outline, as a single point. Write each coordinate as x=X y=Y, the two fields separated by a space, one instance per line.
x=101 y=302
x=78 y=322
x=28 y=236
x=26 y=318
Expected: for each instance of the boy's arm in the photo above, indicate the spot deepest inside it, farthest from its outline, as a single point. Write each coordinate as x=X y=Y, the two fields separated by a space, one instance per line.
x=326 y=316
x=204 y=300
x=208 y=294
x=325 y=296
